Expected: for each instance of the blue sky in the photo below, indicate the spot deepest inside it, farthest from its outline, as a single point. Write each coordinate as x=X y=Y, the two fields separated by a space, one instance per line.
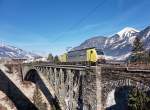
x=50 y=26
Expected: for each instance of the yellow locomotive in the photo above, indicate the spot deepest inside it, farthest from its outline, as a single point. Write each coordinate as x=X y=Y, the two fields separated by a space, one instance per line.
x=83 y=56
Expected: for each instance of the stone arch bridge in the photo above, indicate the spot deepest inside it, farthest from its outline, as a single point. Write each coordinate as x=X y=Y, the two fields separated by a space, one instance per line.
x=71 y=87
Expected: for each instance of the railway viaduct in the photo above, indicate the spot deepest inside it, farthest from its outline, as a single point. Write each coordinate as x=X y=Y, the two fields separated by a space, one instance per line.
x=86 y=88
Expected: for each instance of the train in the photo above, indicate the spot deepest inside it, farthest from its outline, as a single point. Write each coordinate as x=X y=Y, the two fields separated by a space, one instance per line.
x=83 y=56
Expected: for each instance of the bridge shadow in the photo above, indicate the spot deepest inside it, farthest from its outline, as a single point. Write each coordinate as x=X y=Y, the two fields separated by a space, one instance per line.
x=12 y=91
x=121 y=98
x=33 y=76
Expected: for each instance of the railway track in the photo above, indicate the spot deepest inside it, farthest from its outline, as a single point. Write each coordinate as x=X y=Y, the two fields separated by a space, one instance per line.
x=133 y=68
x=77 y=67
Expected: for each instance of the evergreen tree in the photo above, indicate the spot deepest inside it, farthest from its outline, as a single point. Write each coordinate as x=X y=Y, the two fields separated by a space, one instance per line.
x=56 y=59
x=137 y=46
x=38 y=101
x=138 y=100
x=138 y=52
x=50 y=57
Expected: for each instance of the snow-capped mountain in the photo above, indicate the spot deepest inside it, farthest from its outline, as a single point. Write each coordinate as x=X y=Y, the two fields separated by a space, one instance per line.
x=127 y=32
x=119 y=45
x=7 y=51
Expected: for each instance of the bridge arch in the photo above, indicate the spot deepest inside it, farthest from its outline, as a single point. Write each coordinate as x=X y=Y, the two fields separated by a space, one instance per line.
x=119 y=97
x=33 y=76
x=112 y=89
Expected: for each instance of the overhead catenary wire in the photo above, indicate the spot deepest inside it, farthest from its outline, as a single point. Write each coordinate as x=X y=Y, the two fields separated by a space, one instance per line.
x=81 y=20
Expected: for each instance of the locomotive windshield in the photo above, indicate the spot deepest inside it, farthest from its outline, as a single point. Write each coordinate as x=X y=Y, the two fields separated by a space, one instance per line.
x=99 y=52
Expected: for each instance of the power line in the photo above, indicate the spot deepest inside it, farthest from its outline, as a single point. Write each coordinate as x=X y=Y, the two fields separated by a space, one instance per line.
x=81 y=20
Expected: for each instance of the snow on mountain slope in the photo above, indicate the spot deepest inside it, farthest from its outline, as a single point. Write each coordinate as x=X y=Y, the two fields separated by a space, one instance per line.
x=8 y=51
x=119 y=45
x=127 y=32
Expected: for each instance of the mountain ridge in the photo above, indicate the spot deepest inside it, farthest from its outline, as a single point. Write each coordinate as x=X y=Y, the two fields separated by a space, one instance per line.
x=120 y=44
x=9 y=51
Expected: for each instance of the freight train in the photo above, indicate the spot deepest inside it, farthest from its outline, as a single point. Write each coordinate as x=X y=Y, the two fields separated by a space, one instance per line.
x=83 y=56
